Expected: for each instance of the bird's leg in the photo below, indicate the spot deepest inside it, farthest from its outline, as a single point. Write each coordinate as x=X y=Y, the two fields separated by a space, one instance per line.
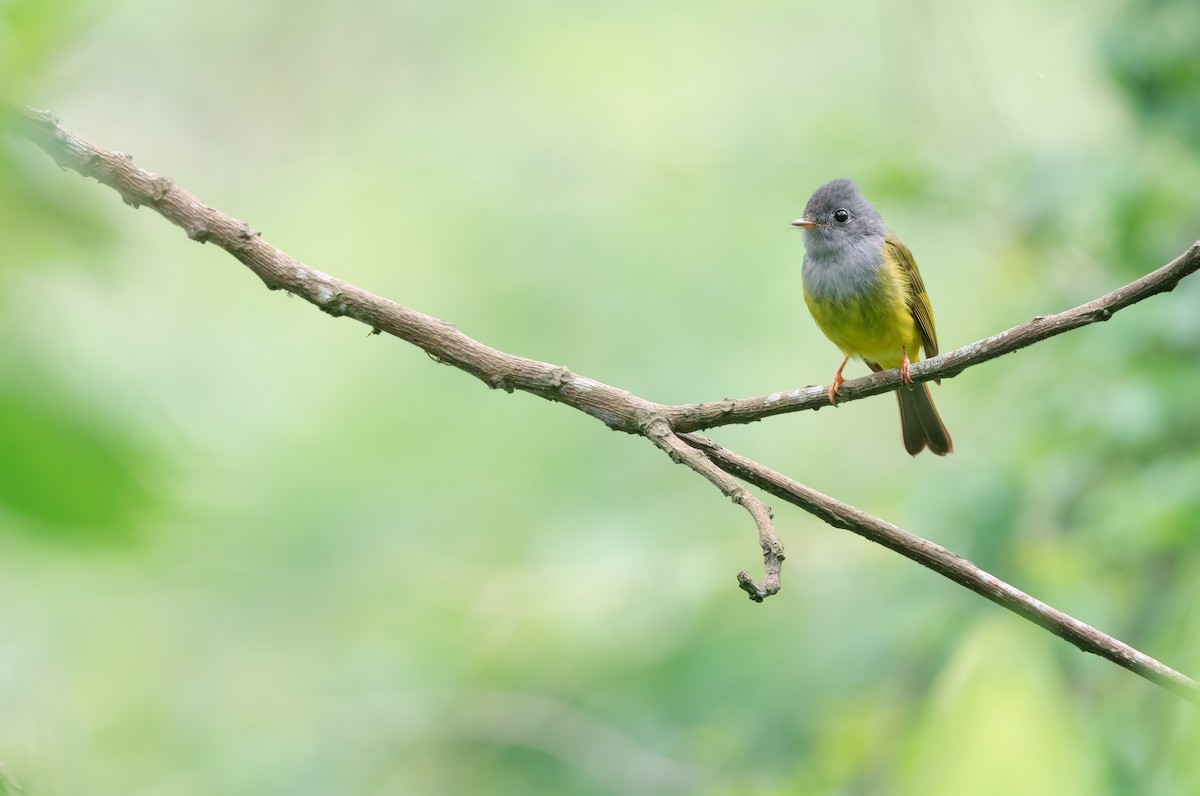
x=837 y=382
x=904 y=377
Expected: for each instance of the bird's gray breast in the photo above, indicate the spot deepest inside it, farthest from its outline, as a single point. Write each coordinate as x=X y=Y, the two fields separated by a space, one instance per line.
x=844 y=271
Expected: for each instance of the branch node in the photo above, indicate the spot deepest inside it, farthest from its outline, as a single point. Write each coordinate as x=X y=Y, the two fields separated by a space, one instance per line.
x=499 y=381
x=245 y=234
x=652 y=424
x=162 y=186
x=559 y=377
x=333 y=305
x=198 y=231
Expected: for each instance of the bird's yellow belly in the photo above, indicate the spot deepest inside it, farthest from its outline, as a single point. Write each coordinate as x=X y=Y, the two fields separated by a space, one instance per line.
x=875 y=327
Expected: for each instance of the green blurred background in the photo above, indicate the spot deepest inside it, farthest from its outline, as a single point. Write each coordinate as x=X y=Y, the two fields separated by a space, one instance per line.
x=248 y=549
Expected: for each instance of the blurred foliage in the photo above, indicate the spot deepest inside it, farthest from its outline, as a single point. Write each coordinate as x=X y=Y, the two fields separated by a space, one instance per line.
x=97 y=494
x=247 y=549
x=1151 y=54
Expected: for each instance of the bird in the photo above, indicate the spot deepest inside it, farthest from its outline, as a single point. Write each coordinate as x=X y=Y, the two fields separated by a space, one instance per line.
x=863 y=289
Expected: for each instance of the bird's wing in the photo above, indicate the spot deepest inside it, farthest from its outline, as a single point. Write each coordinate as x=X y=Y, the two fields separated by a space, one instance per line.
x=918 y=299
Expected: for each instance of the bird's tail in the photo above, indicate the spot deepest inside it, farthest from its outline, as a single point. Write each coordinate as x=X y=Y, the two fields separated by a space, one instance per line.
x=920 y=424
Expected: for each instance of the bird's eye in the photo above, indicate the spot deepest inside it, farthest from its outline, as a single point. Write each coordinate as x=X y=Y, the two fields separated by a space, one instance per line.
x=841 y=215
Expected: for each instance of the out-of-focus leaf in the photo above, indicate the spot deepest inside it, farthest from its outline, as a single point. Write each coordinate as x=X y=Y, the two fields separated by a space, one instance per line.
x=41 y=216
x=32 y=31
x=71 y=473
x=1151 y=53
x=996 y=723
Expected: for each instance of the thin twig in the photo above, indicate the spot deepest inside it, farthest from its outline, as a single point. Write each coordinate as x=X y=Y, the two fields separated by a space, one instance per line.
x=681 y=453
x=842 y=515
x=620 y=409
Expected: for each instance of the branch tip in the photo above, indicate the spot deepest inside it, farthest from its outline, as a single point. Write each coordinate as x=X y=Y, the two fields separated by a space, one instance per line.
x=687 y=451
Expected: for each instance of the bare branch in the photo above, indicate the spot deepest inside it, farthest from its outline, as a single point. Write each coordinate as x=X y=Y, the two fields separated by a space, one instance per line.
x=661 y=435
x=696 y=417
x=623 y=411
x=942 y=561
x=615 y=407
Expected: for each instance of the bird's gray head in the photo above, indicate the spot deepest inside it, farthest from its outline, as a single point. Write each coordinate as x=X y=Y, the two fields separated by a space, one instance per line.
x=838 y=218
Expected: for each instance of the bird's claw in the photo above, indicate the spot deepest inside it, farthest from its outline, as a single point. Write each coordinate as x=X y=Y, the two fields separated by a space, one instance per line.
x=833 y=388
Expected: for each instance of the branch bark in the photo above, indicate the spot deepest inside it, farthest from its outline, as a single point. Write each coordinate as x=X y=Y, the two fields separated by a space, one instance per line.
x=667 y=427
x=958 y=569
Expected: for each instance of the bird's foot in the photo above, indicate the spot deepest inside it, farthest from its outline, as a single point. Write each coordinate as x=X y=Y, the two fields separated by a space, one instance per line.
x=837 y=382
x=905 y=378
x=833 y=388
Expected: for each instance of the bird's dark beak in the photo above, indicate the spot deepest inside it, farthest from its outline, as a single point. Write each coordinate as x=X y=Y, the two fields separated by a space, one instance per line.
x=804 y=223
